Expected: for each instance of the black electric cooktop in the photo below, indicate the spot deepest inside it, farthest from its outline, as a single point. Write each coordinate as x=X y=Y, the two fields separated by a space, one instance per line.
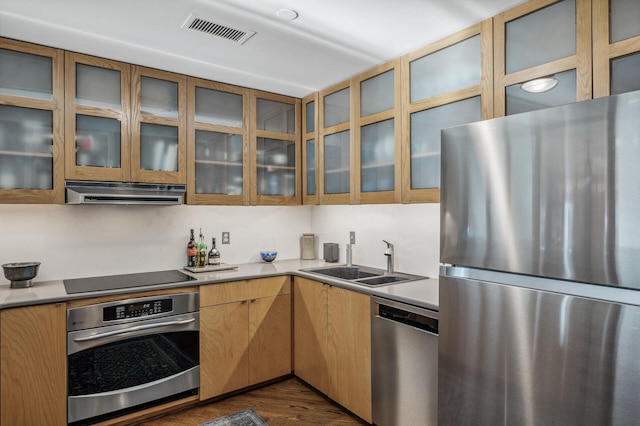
x=116 y=282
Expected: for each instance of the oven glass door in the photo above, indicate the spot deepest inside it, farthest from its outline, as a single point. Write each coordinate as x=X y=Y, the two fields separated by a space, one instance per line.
x=118 y=367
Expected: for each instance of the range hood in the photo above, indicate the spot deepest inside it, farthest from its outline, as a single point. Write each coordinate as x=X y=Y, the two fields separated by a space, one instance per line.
x=84 y=192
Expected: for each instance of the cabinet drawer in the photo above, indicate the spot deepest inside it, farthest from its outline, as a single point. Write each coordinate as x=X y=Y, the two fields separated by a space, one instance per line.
x=215 y=294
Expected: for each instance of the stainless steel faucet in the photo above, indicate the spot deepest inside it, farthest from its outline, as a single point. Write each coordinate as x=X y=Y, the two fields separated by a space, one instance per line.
x=348 y=254
x=389 y=253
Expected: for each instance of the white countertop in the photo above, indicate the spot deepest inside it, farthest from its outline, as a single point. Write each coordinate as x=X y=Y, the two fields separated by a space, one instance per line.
x=423 y=293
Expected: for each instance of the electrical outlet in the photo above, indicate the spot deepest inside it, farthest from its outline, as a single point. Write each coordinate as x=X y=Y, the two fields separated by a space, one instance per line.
x=226 y=238
x=352 y=237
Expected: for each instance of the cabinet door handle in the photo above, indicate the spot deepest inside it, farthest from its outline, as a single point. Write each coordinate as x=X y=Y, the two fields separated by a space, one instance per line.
x=253 y=300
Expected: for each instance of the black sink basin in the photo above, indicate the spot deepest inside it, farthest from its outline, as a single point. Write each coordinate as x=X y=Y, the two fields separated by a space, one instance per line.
x=345 y=272
x=363 y=275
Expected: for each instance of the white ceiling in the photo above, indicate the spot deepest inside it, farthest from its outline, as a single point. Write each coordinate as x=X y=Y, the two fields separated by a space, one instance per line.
x=330 y=41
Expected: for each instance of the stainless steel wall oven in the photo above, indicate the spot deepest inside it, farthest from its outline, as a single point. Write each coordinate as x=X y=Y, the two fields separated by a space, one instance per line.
x=131 y=354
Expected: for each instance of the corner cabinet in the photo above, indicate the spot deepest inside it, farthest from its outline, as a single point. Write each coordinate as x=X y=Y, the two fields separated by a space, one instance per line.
x=245 y=334
x=332 y=338
x=31 y=123
x=33 y=381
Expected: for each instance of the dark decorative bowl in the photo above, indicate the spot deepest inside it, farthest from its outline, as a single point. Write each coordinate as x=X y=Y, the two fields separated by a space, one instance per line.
x=21 y=273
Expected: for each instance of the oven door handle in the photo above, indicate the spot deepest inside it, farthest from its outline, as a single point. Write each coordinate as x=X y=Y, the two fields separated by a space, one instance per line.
x=132 y=329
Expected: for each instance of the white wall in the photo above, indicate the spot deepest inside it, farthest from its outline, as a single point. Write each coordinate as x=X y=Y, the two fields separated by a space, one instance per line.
x=81 y=241
x=413 y=229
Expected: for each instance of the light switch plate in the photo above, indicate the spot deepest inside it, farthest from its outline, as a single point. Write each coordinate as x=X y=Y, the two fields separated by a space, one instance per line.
x=352 y=237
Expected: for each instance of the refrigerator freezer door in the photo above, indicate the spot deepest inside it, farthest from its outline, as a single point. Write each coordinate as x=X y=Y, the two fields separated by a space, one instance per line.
x=515 y=356
x=549 y=193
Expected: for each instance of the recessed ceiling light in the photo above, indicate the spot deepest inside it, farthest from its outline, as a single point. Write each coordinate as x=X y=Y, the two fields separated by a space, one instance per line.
x=287 y=14
x=539 y=85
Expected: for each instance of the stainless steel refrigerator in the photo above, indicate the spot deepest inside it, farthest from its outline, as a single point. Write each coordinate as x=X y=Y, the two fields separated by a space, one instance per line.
x=540 y=275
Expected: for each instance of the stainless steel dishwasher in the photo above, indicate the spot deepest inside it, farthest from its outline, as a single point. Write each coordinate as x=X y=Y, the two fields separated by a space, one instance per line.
x=404 y=364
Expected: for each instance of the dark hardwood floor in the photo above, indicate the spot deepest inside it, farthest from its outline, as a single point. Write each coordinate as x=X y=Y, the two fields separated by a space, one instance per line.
x=290 y=402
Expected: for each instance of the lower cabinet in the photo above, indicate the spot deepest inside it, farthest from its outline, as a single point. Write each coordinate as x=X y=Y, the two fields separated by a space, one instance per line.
x=245 y=334
x=332 y=349
x=33 y=366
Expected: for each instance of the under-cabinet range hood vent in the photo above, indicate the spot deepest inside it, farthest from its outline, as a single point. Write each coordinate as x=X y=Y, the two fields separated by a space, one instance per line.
x=219 y=30
x=81 y=192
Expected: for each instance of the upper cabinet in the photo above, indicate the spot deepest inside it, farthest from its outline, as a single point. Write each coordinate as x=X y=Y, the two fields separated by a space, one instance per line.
x=218 y=141
x=31 y=123
x=158 y=126
x=276 y=148
x=542 y=55
x=123 y=123
x=377 y=177
x=310 y=149
x=616 y=47
x=448 y=83
x=97 y=102
x=336 y=145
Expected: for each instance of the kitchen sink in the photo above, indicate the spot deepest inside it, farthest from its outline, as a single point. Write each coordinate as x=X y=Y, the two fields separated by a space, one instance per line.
x=363 y=275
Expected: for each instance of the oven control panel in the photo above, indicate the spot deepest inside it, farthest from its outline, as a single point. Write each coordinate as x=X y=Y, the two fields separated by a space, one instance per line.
x=137 y=309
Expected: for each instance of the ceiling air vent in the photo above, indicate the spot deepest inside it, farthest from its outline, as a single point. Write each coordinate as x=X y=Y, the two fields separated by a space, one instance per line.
x=217 y=29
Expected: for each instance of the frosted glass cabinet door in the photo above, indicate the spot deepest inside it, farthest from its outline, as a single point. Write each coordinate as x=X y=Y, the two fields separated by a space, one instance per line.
x=425 y=138
x=276 y=167
x=378 y=157
x=310 y=112
x=216 y=107
x=158 y=97
x=625 y=74
x=97 y=141
x=452 y=68
x=542 y=36
x=158 y=147
x=98 y=87
x=26 y=144
x=275 y=116
x=25 y=74
x=311 y=167
x=377 y=94
x=625 y=19
x=219 y=163
x=337 y=169
x=337 y=107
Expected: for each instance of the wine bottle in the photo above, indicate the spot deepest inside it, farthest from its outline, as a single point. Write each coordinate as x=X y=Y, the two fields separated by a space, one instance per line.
x=202 y=251
x=192 y=251
x=214 y=253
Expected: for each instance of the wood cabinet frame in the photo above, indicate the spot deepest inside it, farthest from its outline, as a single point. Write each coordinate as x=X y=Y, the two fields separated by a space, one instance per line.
x=485 y=90
x=138 y=117
x=323 y=132
x=192 y=126
x=306 y=136
x=580 y=61
x=255 y=133
x=56 y=106
x=73 y=171
x=394 y=113
x=604 y=51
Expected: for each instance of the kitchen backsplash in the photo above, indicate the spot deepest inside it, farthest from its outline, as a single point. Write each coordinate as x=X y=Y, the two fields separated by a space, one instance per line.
x=81 y=241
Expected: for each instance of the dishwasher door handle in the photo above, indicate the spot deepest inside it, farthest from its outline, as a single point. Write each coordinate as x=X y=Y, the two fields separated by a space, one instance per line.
x=423 y=321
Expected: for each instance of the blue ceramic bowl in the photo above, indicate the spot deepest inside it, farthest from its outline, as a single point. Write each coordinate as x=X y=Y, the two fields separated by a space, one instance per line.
x=268 y=256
